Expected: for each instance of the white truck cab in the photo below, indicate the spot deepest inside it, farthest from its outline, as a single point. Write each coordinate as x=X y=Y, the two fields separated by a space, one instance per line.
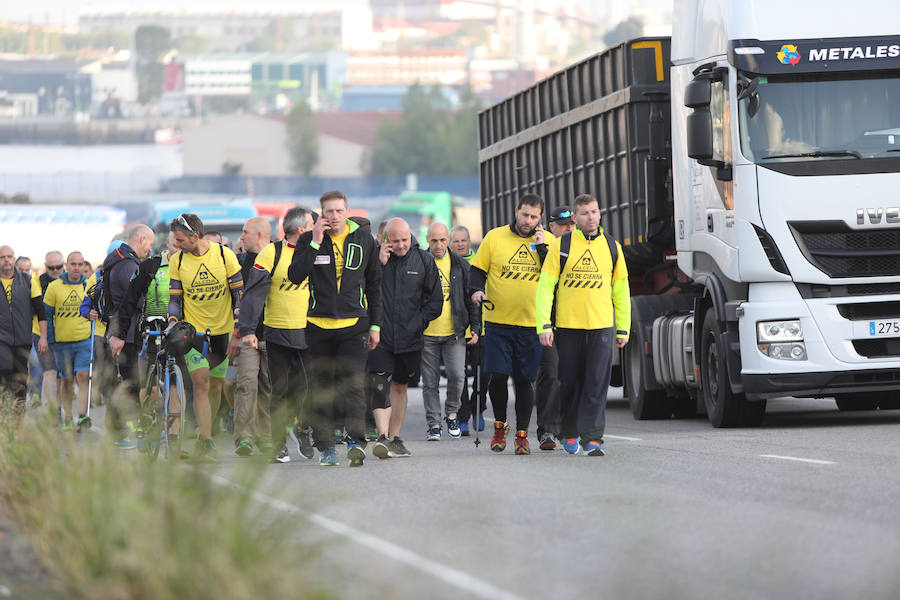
x=786 y=176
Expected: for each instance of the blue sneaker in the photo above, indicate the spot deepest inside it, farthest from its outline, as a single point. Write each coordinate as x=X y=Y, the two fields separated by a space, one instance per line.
x=328 y=457
x=464 y=428
x=355 y=454
x=570 y=445
x=479 y=422
x=125 y=444
x=594 y=448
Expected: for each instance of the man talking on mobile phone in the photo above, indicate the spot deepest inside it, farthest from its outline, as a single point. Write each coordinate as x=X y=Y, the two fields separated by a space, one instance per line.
x=343 y=321
x=504 y=279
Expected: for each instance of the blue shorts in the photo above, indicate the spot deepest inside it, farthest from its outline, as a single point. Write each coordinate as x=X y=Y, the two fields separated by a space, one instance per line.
x=72 y=357
x=48 y=363
x=512 y=351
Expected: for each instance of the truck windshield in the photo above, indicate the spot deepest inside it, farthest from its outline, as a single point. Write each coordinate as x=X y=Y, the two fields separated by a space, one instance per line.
x=822 y=117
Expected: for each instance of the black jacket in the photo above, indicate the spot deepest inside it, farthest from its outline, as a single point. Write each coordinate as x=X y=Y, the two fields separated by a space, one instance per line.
x=16 y=318
x=465 y=312
x=412 y=298
x=360 y=293
x=119 y=268
x=246 y=260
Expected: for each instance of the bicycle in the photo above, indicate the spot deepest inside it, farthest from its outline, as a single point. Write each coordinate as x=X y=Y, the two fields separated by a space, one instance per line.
x=165 y=373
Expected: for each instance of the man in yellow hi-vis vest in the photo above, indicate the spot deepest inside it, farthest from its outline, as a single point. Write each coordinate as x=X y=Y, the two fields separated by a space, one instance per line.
x=585 y=271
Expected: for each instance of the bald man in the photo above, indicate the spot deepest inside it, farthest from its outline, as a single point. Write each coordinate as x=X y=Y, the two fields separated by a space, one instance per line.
x=251 y=396
x=411 y=299
x=20 y=303
x=445 y=337
x=119 y=268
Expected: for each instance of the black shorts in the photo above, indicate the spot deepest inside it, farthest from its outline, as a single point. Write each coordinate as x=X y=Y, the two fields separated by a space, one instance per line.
x=216 y=354
x=402 y=368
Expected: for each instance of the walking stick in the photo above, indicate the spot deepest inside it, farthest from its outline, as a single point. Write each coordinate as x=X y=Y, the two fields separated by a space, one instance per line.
x=479 y=391
x=86 y=423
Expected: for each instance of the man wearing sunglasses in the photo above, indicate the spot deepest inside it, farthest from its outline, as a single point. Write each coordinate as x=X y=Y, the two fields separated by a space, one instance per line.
x=47 y=377
x=549 y=417
x=205 y=287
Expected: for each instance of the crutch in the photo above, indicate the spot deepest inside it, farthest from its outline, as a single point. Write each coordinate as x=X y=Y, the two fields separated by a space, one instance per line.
x=86 y=422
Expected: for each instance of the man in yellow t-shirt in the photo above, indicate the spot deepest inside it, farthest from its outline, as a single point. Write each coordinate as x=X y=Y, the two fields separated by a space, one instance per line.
x=284 y=336
x=20 y=300
x=445 y=337
x=344 y=318
x=504 y=277
x=205 y=287
x=593 y=308
x=70 y=336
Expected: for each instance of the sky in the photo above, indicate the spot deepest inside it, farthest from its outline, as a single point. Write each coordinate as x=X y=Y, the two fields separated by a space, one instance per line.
x=65 y=12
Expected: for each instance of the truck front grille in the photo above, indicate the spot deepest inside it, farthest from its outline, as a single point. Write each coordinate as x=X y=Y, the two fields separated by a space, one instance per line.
x=879 y=348
x=840 y=251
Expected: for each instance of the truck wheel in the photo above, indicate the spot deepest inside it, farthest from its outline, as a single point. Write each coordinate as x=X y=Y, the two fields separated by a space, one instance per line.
x=860 y=401
x=645 y=404
x=723 y=407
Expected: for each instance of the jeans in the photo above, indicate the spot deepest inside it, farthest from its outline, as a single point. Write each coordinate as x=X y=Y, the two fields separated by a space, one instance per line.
x=450 y=350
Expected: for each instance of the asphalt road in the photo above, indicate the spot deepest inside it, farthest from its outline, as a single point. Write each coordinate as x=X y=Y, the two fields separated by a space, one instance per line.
x=806 y=504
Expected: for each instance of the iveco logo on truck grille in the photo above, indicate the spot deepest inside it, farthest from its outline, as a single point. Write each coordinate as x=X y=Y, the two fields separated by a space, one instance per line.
x=890 y=215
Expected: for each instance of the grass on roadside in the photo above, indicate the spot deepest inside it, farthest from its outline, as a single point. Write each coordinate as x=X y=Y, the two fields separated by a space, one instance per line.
x=112 y=525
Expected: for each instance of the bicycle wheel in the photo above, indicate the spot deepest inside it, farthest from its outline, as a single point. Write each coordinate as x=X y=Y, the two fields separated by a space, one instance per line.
x=181 y=398
x=147 y=421
x=157 y=429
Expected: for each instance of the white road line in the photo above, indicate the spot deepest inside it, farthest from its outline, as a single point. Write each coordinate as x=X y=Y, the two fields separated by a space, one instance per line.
x=797 y=459
x=622 y=437
x=449 y=575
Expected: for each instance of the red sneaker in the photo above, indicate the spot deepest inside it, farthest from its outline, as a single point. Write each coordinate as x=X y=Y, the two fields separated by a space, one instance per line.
x=521 y=442
x=498 y=443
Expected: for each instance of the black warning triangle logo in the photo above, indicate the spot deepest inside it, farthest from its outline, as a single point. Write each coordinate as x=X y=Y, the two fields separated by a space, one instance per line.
x=522 y=257
x=73 y=300
x=586 y=263
x=445 y=286
x=203 y=277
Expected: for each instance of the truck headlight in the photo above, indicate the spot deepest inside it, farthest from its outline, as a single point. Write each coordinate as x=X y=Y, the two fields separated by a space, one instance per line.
x=784 y=350
x=779 y=331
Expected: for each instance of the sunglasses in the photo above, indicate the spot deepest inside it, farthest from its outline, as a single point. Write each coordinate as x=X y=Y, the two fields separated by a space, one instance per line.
x=182 y=221
x=566 y=214
x=54 y=267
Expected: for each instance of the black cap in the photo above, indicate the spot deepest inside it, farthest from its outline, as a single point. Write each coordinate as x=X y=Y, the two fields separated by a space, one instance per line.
x=562 y=215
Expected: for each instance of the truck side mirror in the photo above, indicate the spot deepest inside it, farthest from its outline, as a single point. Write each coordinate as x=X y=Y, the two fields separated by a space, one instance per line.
x=698 y=93
x=700 y=145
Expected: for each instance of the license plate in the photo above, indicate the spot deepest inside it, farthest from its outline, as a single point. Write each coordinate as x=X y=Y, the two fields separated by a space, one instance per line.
x=879 y=328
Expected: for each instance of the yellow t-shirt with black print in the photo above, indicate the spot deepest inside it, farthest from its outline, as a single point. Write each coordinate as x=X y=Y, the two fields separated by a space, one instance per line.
x=65 y=300
x=513 y=267
x=587 y=287
x=286 y=303
x=443 y=325
x=337 y=244
x=204 y=282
